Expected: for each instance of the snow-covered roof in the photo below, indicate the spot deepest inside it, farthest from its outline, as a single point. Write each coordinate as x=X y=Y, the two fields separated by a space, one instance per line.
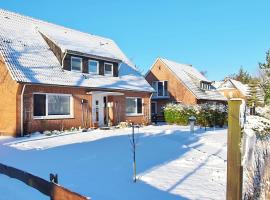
x=30 y=60
x=231 y=83
x=191 y=78
x=216 y=84
x=243 y=88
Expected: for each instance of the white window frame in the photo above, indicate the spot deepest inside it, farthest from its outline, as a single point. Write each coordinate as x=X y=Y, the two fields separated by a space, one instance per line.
x=75 y=57
x=136 y=114
x=106 y=63
x=97 y=70
x=163 y=84
x=47 y=116
x=205 y=86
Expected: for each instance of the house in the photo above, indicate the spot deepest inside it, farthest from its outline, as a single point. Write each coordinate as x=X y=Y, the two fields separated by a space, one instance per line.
x=53 y=78
x=231 y=88
x=180 y=83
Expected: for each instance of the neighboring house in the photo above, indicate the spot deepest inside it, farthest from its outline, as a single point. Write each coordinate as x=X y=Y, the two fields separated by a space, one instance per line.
x=231 y=88
x=52 y=77
x=181 y=83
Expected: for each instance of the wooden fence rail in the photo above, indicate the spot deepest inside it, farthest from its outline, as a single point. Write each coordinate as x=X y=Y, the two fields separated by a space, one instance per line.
x=54 y=191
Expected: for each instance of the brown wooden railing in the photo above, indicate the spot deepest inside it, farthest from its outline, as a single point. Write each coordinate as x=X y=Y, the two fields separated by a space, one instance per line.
x=53 y=190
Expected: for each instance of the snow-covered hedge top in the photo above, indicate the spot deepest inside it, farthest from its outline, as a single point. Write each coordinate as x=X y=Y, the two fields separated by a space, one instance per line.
x=196 y=108
x=263 y=111
x=259 y=126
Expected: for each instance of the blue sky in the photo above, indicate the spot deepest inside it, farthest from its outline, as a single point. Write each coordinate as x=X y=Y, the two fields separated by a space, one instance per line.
x=213 y=35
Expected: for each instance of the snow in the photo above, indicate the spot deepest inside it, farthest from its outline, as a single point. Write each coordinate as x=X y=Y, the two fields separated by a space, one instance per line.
x=172 y=163
x=243 y=88
x=257 y=124
x=255 y=146
x=30 y=60
x=8 y=187
x=191 y=77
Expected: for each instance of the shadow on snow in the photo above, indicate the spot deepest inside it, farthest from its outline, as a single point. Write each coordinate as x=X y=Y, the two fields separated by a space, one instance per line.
x=102 y=169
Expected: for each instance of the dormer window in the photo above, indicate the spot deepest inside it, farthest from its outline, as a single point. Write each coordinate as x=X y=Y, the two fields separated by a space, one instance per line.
x=76 y=64
x=205 y=85
x=93 y=66
x=108 y=69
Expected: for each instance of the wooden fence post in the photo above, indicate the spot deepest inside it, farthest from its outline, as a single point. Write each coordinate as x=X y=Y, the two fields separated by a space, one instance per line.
x=234 y=168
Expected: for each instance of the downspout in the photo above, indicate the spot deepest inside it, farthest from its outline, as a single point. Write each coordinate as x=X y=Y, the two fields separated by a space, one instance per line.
x=22 y=94
x=150 y=111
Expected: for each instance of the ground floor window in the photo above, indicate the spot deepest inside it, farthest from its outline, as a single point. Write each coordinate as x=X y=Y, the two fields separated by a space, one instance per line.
x=52 y=105
x=133 y=106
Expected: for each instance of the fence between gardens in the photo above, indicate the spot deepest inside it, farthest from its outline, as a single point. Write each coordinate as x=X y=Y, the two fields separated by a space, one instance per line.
x=51 y=189
x=235 y=161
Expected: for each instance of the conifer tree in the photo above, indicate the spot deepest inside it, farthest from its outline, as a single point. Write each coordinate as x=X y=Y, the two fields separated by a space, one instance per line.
x=252 y=98
x=242 y=76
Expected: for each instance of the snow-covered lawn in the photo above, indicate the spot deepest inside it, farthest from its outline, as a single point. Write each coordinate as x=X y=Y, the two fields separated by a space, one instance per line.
x=172 y=163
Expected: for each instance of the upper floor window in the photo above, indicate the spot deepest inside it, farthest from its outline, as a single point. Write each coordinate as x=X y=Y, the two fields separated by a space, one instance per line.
x=161 y=88
x=93 y=67
x=205 y=86
x=76 y=64
x=108 y=69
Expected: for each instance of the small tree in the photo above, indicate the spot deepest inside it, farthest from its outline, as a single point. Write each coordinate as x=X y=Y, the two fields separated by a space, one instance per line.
x=133 y=142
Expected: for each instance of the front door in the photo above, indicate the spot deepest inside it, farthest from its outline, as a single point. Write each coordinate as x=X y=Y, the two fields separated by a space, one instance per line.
x=98 y=109
x=153 y=107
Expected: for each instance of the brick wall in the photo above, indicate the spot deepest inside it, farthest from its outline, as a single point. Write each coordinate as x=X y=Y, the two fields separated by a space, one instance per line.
x=32 y=125
x=117 y=113
x=9 y=102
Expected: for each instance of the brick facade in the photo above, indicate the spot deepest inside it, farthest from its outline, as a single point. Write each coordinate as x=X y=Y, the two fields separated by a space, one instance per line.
x=10 y=109
x=116 y=114
x=9 y=103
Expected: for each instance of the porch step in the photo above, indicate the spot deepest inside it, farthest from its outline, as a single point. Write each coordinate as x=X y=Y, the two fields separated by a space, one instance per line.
x=105 y=128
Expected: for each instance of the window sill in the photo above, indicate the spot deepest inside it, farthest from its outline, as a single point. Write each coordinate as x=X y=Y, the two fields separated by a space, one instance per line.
x=134 y=115
x=77 y=71
x=108 y=75
x=54 y=117
x=161 y=97
x=92 y=73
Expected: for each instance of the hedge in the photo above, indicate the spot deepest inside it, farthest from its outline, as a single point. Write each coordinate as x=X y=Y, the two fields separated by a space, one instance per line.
x=207 y=115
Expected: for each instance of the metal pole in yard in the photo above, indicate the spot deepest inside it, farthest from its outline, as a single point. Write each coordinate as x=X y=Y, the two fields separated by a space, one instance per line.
x=134 y=153
x=234 y=168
